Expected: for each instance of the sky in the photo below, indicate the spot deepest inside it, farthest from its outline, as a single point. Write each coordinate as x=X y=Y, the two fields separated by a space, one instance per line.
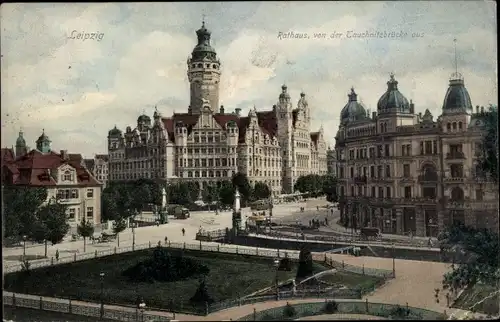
x=78 y=89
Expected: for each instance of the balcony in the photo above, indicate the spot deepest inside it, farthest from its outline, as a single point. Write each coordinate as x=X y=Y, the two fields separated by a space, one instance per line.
x=455 y=155
x=428 y=178
x=454 y=179
x=407 y=178
x=360 y=180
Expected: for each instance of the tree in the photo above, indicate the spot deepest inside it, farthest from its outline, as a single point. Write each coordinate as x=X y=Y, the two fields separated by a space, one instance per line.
x=330 y=188
x=86 y=230
x=109 y=202
x=210 y=194
x=118 y=226
x=226 y=193
x=240 y=182
x=201 y=296
x=52 y=217
x=20 y=207
x=194 y=190
x=180 y=194
x=261 y=191
x=305 y=268
x=474 y=253
x=311 y=183
x=489 y=159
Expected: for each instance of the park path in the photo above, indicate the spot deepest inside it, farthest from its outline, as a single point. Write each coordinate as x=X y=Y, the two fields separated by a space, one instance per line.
x=340 y=317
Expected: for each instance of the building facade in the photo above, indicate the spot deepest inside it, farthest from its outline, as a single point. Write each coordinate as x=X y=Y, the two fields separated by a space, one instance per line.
x=403 y=172
x=331 y=159
x=98 y=166
x=63 y=174
x=208 y=144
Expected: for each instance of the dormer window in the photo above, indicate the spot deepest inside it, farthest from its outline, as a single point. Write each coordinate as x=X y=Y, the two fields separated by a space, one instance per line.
x=67 y=175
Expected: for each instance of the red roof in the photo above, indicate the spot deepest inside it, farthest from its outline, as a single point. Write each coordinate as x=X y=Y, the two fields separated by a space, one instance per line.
x=35 y=168
x=7 y=155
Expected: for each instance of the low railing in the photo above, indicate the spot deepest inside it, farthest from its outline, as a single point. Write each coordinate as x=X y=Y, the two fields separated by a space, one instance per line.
x=393 y=311
x=78 y=308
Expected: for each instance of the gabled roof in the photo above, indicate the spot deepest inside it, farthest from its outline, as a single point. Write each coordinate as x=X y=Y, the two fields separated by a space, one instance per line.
x=35 y=169
x=7 y=155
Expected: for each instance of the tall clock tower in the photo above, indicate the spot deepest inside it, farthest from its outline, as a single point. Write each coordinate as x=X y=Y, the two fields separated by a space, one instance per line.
x=203 y=74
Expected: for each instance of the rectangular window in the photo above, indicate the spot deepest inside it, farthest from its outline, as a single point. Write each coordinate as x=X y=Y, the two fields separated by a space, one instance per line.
x=406 y=170
x=388 y=171
x=372 y=171
x=90 y=212
x=407 y=192
x=71 y=214
x=428 y=147
x=479 y=194
x=379 y=171
x=373 y=192
x=380 y=192
x=387 y=150
x=388 y=192
x=90 y=193
x=74 y=193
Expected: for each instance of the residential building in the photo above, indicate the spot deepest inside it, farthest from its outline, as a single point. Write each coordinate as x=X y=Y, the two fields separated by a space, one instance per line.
x=403 y=172
x=63 y=174
x=98 y=166
x=208 y=144
x=331 y=159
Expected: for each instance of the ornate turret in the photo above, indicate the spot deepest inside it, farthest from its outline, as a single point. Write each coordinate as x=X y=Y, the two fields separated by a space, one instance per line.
x=353 y=110
x=43 y=143
x=21 y=148
x=392 y=100
x=284 y=96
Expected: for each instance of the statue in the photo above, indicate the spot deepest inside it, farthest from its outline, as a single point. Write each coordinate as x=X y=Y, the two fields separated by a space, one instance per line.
x=236 y=213
x=162 y=211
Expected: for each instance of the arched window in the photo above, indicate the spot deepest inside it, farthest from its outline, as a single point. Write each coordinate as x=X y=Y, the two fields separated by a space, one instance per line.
x=190 y=174
x=211 y=174
x=459 y=125
x=203 y=174
x=217 y=173
x=454 y=126
x=200 y=65
x=457 y=194
x=197 y=174
x=448 y=126
x=214 y=66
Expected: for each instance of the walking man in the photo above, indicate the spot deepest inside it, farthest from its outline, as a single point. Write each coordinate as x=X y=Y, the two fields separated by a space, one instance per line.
x=183 y=232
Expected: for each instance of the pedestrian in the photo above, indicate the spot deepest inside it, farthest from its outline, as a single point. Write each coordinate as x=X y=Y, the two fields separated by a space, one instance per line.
x=157 y=223
x=166 y=240
x=57 y=254
x=326 y=221
x=430 y=242
x=310 y=223
x=183 y=232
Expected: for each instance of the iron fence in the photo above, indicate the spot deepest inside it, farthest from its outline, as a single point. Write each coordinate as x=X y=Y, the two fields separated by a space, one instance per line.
x=393 y=311
x=78 y=308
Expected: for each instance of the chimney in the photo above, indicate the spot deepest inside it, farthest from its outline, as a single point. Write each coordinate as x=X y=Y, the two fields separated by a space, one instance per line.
x=477 y=109
x=64 y=155
x=482 y=109
x=221 y=109
x=237 y=111
x=374 y=115
x=274 y=108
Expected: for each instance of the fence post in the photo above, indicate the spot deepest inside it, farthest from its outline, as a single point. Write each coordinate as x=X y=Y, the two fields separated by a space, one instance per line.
x=206 y=308
x=363 y=269
x=218 y=249
x=95 y=253
x=41 y=303
x=366 y=305
x=74 y=257
x=326 y=259
x=69 y=305
x=343 y=265
x=150 y=244
x=254 y=314
x=51 y=261
x=14 y=299
x=256 y=251
x=115 y=249
x=200 y=245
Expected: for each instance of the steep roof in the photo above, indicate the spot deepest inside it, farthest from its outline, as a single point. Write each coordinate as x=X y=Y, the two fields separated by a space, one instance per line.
x=35 y=167
x=7 y=155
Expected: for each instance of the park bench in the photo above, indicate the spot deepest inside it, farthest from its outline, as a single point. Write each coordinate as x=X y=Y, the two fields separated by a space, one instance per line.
x=369 y=232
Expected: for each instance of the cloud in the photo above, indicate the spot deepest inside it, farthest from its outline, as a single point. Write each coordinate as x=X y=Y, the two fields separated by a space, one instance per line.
x=78 y=90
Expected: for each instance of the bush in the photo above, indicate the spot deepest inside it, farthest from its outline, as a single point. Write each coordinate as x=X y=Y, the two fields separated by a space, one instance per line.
x=305 y=268
x=164 y=267
x=289 y=311
x=399 y=312
x=201 y=295
x=331 y=307
x=285 y=264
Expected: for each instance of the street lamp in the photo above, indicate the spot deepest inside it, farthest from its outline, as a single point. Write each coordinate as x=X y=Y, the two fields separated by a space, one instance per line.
x=101 y=275
x=277 y=265
x=393 y=260
x=134 y=224
x=142 y=308
x=24 y=246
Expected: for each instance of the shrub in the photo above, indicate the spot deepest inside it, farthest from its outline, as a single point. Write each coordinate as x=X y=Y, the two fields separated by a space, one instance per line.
x=285 y=264
x=164 y=267
x=399 y=312
x=331 y=307
x=201 y=295
x=305 y=268
x=289 y=311
x=268 y=317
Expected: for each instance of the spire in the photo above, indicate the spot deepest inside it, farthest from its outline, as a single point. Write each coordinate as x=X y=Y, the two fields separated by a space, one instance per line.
x=456 y=64
x=203 y=21
x=353 y=97
x=456 y=77
x=392 y=84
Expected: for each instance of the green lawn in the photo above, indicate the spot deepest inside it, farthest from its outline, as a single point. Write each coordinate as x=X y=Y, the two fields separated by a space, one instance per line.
x=476 y=293
x=351 y=280
x=231 y=276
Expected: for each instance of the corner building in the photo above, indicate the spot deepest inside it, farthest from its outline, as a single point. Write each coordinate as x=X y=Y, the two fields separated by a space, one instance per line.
x=405 y=172
x=208 y=144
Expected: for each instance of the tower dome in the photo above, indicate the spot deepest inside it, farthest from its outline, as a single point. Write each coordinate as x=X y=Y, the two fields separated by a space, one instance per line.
x=284 y=93
x=457 y=99
x=20 y=142
x=392 y=100
x=353 y=110
x=203 y=49
x=114 y=132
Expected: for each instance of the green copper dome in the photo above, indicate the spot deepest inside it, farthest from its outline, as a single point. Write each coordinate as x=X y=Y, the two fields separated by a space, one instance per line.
x=392 y=100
